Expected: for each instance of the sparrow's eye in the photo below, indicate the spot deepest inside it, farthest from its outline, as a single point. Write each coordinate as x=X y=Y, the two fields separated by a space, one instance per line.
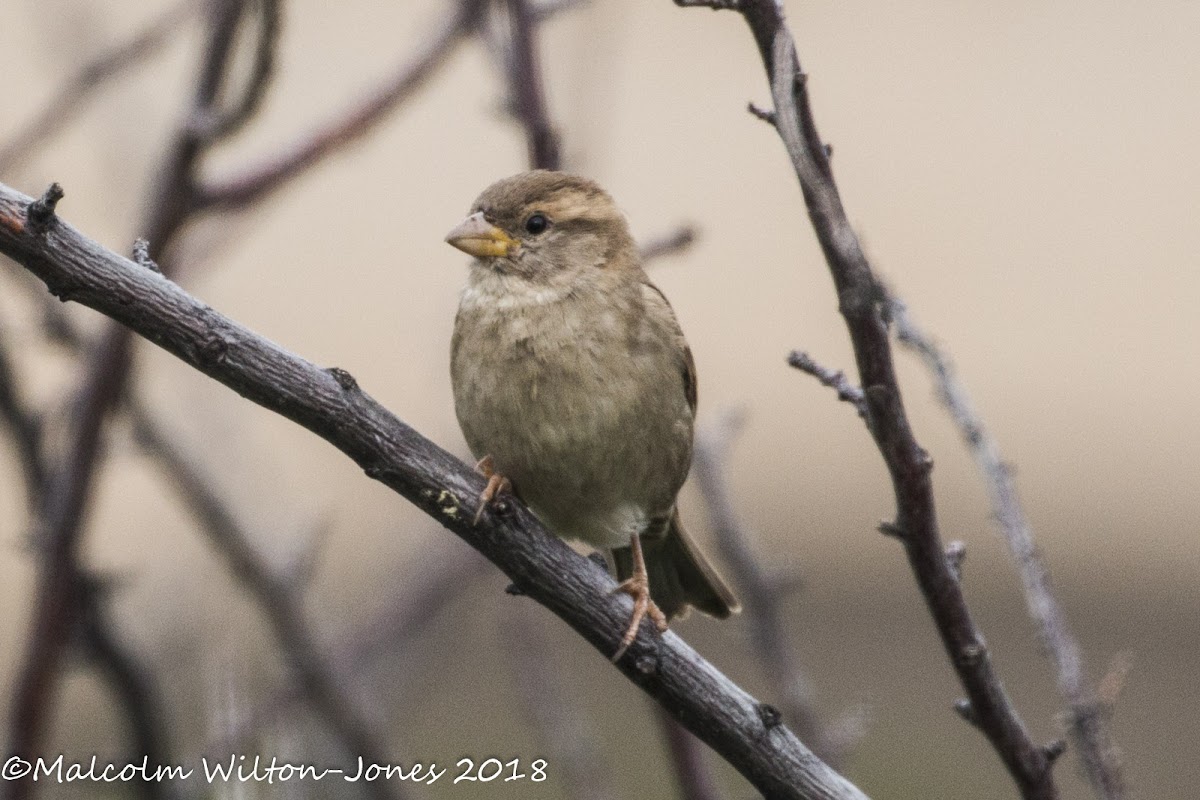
x=536 y=224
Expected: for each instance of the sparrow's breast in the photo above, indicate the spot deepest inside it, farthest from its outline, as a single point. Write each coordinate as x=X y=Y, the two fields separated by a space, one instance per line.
x=579 y=405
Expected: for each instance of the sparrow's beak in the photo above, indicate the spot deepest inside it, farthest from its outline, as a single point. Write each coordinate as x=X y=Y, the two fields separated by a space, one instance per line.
x=478 y=237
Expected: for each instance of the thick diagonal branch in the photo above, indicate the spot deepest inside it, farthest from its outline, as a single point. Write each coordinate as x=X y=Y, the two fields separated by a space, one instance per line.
x=330 y=404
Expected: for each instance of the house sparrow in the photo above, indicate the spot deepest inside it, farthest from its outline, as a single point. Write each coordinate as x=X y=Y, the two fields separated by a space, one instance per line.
x=575 y=387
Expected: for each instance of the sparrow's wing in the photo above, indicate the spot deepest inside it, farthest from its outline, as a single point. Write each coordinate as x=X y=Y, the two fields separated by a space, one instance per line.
x=659 y=308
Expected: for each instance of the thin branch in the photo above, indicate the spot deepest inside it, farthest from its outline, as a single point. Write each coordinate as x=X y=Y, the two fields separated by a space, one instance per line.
x=671 y=243
x=272 y=592
x=764 y=114
x=834 y=379
x=441 y=578
x=859 y=299
x=226 y=122
x=70 y=98
x=252 y=183
x=1088 y=724
x=330 y=404
x=563 y=734
x=758 y=588
x=25 y=429
x=127 y=678
x=130 y=683
x=526 y=90
x=546 y=9
x=692 y=775
x=59 y=593
x=715 y=5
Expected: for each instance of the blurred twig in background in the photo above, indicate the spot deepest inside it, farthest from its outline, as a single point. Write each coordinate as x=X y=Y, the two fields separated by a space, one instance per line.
x=253 y=182
x=212 y=117
x=70 y=98
x=860 y=302
x=1088 y=715
x=61 y=515
x=692 y=773
x=24 y=427
x=763 y=593
x=278 y=595
x=554 y=711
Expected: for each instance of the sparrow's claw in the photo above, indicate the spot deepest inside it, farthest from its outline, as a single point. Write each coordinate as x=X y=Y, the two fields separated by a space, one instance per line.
x=638 y=587
x=496 y=484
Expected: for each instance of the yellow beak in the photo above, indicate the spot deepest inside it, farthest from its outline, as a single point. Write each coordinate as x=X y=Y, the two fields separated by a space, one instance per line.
x=478 y=237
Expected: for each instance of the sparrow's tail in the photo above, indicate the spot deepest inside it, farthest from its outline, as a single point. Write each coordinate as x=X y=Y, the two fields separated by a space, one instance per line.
x=680 y=576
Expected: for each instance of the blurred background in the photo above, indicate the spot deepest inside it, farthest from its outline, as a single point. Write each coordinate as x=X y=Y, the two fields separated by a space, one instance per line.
x=1025 y=178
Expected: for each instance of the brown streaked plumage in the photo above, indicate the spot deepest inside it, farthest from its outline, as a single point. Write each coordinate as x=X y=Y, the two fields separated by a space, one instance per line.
x=573 y=381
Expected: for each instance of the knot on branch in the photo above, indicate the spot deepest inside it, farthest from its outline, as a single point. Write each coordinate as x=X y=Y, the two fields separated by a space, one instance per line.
x=956 y=554
x=214 y=350
x=1054 y=750
x=972 y=653
x=344 y=379
x=41 y=211
x=964 y=709
x=769 y=715
x=646 y=665
x=141 y=255
x=63 y=291
x=502 y=508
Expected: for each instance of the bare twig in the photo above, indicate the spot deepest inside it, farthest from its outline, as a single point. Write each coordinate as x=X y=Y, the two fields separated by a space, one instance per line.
x=525 y=87
x=715 y=5
x=549 y=8
x=130 y=683
x=24 y=427
x=554 y=713
x=69 y=99
x=443 y=576
x=59 y=593
x=226 y=122
x=834 y=379
x=126 y=676
x=668 y=244
x=765 y=114
x=908 y=464
x=273 y=593
x=692 y=775
x=254 y=182
x=1088 y=716
x=330 y=403
x=758 y=588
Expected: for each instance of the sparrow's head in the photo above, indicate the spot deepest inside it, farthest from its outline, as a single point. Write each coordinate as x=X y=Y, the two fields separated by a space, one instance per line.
x=545 y=226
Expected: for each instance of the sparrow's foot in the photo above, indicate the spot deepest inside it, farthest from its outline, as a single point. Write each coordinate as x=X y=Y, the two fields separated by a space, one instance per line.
x=496 y=484
x=638 y=587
